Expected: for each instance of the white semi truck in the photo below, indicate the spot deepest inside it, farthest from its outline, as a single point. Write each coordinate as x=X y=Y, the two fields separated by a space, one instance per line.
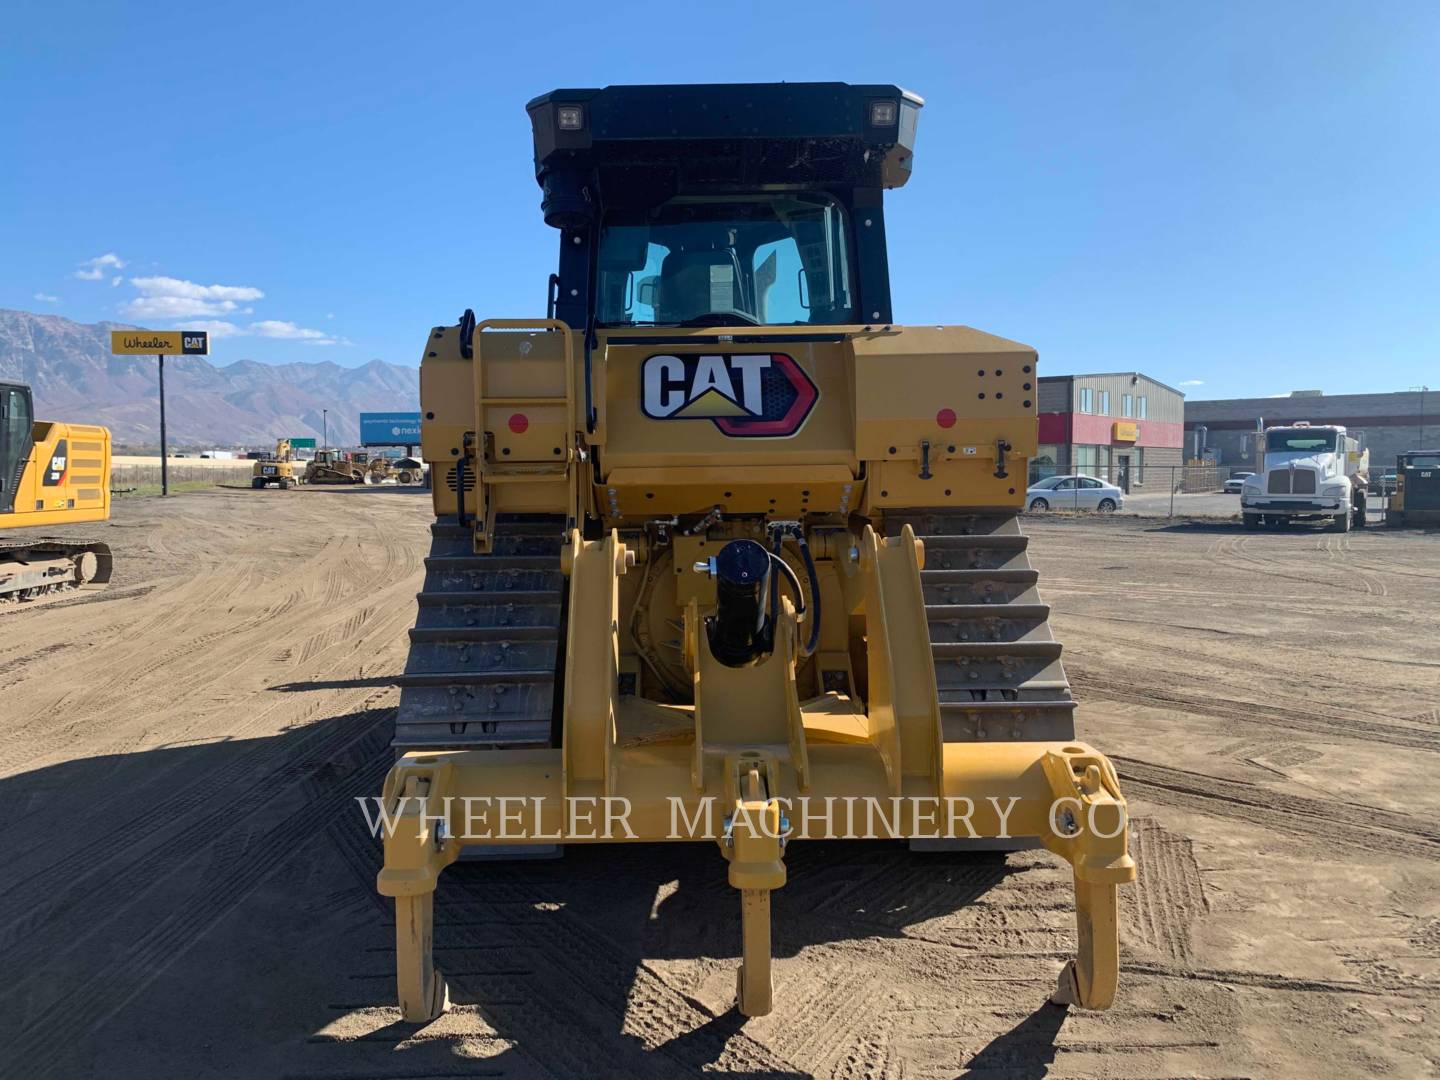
x=1311 y=472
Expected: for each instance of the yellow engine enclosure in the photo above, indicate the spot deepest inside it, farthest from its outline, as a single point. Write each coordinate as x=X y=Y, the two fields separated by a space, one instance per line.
x=66 y=478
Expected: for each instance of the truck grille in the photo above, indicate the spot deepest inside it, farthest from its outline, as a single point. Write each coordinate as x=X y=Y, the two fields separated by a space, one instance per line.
x=1281 y=481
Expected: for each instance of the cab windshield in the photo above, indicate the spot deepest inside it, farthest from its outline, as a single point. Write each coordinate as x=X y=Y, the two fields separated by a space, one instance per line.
x=774 y=260
x=1304 y=440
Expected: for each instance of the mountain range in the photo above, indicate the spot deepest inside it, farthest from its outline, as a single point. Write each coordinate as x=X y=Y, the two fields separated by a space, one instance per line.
x=74 y=377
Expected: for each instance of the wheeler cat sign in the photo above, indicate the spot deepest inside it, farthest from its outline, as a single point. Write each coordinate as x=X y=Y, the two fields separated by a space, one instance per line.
x=160 y=342
x=745 y=395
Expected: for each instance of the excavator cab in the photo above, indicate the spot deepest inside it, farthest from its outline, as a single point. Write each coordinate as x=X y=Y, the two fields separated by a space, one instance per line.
x=17 y=415
x=719 y=546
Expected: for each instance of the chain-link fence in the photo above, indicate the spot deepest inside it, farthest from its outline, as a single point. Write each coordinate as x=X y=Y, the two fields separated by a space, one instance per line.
x=145 y=479
x=1194 y=490
x=1166 y=490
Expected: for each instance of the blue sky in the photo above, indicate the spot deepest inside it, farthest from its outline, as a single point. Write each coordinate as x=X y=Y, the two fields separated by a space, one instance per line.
x=1244 y=194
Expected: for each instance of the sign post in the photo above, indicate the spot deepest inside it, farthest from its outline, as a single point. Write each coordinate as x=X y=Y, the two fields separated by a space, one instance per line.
x=161 y=343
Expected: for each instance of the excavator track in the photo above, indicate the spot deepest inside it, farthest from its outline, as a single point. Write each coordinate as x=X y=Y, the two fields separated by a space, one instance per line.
x=997 y=666
x=43 y=569
x=486 y=650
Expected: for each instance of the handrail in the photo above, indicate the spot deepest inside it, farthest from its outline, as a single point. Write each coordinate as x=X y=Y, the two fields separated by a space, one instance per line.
x=572 y=434
x=532 y=324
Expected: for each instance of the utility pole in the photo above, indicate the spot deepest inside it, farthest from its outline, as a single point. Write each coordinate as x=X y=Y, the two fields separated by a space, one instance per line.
x=325 y=429
x=1423 y=391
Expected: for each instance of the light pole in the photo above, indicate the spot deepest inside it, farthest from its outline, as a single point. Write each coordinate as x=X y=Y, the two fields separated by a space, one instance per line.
x=325 y=432
x=1423 y=391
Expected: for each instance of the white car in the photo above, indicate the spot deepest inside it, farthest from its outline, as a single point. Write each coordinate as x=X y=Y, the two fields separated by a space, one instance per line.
x=1074 y=493
x=1236 y=483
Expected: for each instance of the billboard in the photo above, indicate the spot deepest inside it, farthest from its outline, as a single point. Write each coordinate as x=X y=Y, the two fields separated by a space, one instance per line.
x=389 y=428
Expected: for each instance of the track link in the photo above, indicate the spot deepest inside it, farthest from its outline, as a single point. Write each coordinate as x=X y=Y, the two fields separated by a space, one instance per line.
x=42 y=569
x=997 y=666
x=485 y=651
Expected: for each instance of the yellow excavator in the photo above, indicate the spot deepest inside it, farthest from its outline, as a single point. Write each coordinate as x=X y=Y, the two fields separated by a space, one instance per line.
x=277 y=468
x=50 y=474
x=722 y=553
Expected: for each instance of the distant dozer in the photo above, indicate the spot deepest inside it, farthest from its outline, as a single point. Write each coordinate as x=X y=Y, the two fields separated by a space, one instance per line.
x=721 y=553
x=50 y=474
x=394 y=470
x=278 y=468
x=334 y=467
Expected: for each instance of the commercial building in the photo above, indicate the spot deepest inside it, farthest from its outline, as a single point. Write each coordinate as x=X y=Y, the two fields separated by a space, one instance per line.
x=1392 y=423
x=1116 y=426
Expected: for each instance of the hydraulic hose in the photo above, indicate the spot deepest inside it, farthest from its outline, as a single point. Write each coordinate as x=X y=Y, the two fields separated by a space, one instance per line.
x=798 y=532
x=793 y=579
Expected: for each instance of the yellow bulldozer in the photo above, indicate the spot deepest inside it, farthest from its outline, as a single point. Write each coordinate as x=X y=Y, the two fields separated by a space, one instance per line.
x=722 y=553
x=50 y=474
x=277 y=468
x=335 y=467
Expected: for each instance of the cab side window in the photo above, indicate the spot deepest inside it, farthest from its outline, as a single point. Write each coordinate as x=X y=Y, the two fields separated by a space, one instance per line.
x=15 y=423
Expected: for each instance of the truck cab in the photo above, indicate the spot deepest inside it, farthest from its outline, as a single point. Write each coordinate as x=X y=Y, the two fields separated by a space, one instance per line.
x=1312 y=472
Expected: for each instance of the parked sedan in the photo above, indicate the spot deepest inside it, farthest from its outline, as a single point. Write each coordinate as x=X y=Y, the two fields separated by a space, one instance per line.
x=1236 y=483
x=1074 y=493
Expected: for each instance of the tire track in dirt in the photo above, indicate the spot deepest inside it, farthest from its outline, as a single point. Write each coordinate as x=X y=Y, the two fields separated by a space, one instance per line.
x=1091 y=688
x=1364 y=828
x=1168 y=895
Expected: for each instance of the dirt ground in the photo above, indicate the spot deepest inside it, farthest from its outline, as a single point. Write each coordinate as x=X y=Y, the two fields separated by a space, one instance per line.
x=188 y=888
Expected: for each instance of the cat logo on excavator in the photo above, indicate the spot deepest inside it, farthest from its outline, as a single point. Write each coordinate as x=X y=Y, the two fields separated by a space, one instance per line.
x=747 y=395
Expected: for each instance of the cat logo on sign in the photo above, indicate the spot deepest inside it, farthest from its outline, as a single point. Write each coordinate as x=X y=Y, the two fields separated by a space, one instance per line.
x=745 y=395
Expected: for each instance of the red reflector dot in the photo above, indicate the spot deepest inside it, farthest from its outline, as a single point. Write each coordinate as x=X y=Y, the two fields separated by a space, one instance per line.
x=519 y=422
x=945 y=417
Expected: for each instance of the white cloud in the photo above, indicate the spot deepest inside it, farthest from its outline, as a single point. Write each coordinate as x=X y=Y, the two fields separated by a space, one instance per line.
x=169 y=286
x=116 y=280
x=94 y=269
x=217 y=328
x=46 y=298
x=289 y=331
x=173 y=298
x=1193 y=382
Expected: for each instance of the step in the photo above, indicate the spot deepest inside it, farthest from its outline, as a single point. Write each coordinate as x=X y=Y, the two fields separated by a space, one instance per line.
x=475 y=678
x=959 y=612
x=493 y=562
x=496 y=580
x=489 y=598
x=476 y=657
x=990 y=650
x=1024 y=576
x=1004 y=705
x=441 y=635
x=951 y=695
x=998 y=541
x=951 y=524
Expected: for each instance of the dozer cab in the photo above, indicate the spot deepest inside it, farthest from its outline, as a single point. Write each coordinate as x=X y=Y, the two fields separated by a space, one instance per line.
x=722 y=553
x=277 y=468
x=50 y=474
x=333 y=467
